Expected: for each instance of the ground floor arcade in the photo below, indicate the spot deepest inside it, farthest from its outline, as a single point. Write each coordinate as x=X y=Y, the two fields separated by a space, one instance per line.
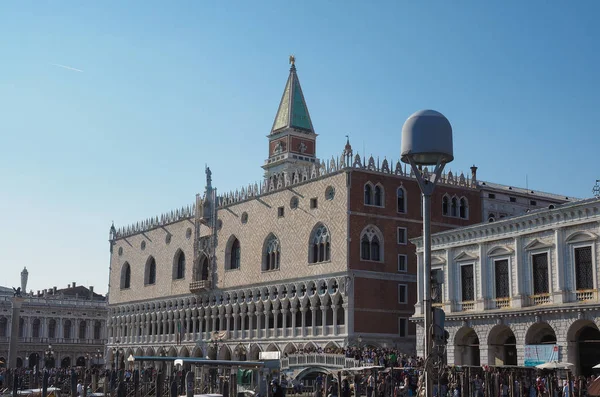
x=524 y=338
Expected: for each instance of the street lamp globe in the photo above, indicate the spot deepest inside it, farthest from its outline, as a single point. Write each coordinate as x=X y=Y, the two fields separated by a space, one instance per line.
x=426 y=139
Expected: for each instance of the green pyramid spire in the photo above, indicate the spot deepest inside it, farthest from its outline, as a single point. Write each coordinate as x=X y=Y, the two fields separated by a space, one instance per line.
x=292 y=112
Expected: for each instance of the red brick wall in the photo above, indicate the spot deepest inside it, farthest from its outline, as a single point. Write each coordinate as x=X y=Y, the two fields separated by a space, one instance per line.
x=374 y=295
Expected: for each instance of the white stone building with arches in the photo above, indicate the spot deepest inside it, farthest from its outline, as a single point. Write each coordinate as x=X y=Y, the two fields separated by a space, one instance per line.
x=519 y=285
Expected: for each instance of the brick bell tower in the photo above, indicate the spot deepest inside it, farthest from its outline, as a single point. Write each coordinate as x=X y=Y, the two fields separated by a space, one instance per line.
x=292 y=141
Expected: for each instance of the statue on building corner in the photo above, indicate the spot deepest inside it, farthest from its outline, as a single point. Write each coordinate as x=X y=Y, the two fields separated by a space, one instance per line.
x=208 y=177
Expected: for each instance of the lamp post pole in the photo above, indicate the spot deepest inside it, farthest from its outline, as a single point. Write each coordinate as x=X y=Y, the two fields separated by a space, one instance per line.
x=427 y=141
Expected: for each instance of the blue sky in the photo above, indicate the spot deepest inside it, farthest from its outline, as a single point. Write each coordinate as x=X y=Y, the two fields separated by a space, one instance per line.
x=167 y=87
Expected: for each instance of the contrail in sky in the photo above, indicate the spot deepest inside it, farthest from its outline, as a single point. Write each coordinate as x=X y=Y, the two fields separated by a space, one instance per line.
x=66 y=67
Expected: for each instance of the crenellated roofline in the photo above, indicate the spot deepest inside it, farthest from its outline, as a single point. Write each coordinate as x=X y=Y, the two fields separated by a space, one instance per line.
x=183 y=213
x=285 y=180
x=304 y=174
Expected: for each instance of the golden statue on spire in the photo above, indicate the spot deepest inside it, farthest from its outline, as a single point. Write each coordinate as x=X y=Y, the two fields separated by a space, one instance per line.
x=292 y=60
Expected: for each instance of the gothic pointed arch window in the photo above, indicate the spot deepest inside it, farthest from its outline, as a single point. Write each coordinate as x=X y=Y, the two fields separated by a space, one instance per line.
x=320 y=245
x=232 y=254
x=378 y=195
x=464 y=208
x=371 y=244
x=368 y=194
x=179 y=265
x=271 y=253
x=150 y=271
x=445 y=205
x=201 y=269
x=454 y=207
x=401 y=200
x=125 y=276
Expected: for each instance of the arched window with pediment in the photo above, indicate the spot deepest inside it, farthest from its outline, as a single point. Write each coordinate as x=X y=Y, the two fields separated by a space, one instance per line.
x=445 y=205
x=271 y=253
x=320 y=245
x=401 y=200
x=371 y=244
x=464 y=208
x=232 y=254
x=150 y=271
x=179 y=265
x=368 y=194
x=125 y=276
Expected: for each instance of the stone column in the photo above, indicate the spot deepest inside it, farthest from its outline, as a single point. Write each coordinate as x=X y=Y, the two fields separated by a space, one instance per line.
x=225 y=320
x=449 y=298
x=266 y=327
x=170 y=324
x=518 y=300
x=560 y=292
x=293 y=311
x=242 y=321
x=335 y=308
x=250 y=315
x=17 y=303
x=313 y=324
x=257 y=323
x=200 y=324
x=303 y=310
x=194 y=324
x=284 y=312
x=235 y=317
x=324 y=320
x=481 y=279
x=275 y=322
x=346 y=319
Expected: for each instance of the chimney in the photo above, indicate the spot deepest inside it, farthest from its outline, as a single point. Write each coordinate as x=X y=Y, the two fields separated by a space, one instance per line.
x=53 y=290
x=74 y=285
x=474 y=173
x=91 y=292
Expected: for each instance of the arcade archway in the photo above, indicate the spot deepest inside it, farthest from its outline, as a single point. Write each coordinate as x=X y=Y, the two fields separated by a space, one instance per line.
x=540 y=334
x=466 y=347
x=583 y=339
x=34 y=360
x=502 y=346
x=65 y=362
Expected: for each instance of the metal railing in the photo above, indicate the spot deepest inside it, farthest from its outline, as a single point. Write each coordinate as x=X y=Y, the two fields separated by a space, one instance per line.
x=328 y=360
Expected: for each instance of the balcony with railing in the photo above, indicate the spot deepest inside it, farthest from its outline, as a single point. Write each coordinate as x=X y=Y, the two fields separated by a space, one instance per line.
x=467 y=306
x=586 y=295
x=502 y=303
x=199 y=286
x=539 y=299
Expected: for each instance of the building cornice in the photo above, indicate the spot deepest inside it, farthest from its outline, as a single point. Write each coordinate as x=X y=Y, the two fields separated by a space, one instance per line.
x=575 y=307
x=581 y=212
